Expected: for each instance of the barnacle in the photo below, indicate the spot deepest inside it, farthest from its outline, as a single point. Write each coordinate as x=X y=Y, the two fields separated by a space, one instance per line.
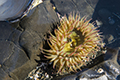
x=75 y=43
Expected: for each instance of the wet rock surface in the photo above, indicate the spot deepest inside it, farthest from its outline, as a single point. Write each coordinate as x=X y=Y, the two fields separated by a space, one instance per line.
x=20 y=43
x=107 y=70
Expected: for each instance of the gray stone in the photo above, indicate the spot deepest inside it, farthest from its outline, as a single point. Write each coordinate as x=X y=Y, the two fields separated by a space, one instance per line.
x=105 y=16
x=4 y=75
x=11 y=9
x=30 y=42
x=14 y=36
x=5 y=30
x=16 y=58
x=84 y=7
x=41 y=20
x=36 y=25
x=71 y=77
x=108 y=69
x=14 y=62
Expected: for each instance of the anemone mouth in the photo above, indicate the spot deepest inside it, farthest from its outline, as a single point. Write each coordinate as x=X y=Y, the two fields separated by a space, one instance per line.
x=74 y=40
x=74 y=44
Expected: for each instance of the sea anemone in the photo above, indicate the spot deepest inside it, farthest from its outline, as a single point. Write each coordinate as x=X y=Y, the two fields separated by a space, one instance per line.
x=74 y=44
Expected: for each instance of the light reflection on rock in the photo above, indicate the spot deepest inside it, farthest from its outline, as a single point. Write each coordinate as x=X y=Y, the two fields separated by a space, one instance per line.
x=107 y=70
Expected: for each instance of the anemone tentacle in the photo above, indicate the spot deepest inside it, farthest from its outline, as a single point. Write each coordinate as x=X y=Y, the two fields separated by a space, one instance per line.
x=74 y=44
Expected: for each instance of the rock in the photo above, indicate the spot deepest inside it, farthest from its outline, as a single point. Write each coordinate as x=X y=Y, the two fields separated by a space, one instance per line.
x=104 y=13
x=118 y=78
x=107 y=70
x=14 y=61
x=4 y=75
x=84 y=7
x=99 y=78
x=14 y=36
x=30 y=42
x=71 y=77
x=41 y=20
x=5 y=30
x=19 y=50
x=106 y=16
x=16 y=58
x=11 y=9
x=36 y=25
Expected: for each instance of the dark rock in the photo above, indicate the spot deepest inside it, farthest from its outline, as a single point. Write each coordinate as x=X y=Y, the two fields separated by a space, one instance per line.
x=118 y=78
x=14 y=36
x=104 y=13
x=17 y=60
x=4 y=75
x=5 y=50
x=5 y=30
x=14 y=63
x=30 y=42
x=41 y=20
x=107 y=70
x=36 y=25
x=106 y=16
x=84 y=7
x=71 y=77
x=21 y=72
x=13 y=9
